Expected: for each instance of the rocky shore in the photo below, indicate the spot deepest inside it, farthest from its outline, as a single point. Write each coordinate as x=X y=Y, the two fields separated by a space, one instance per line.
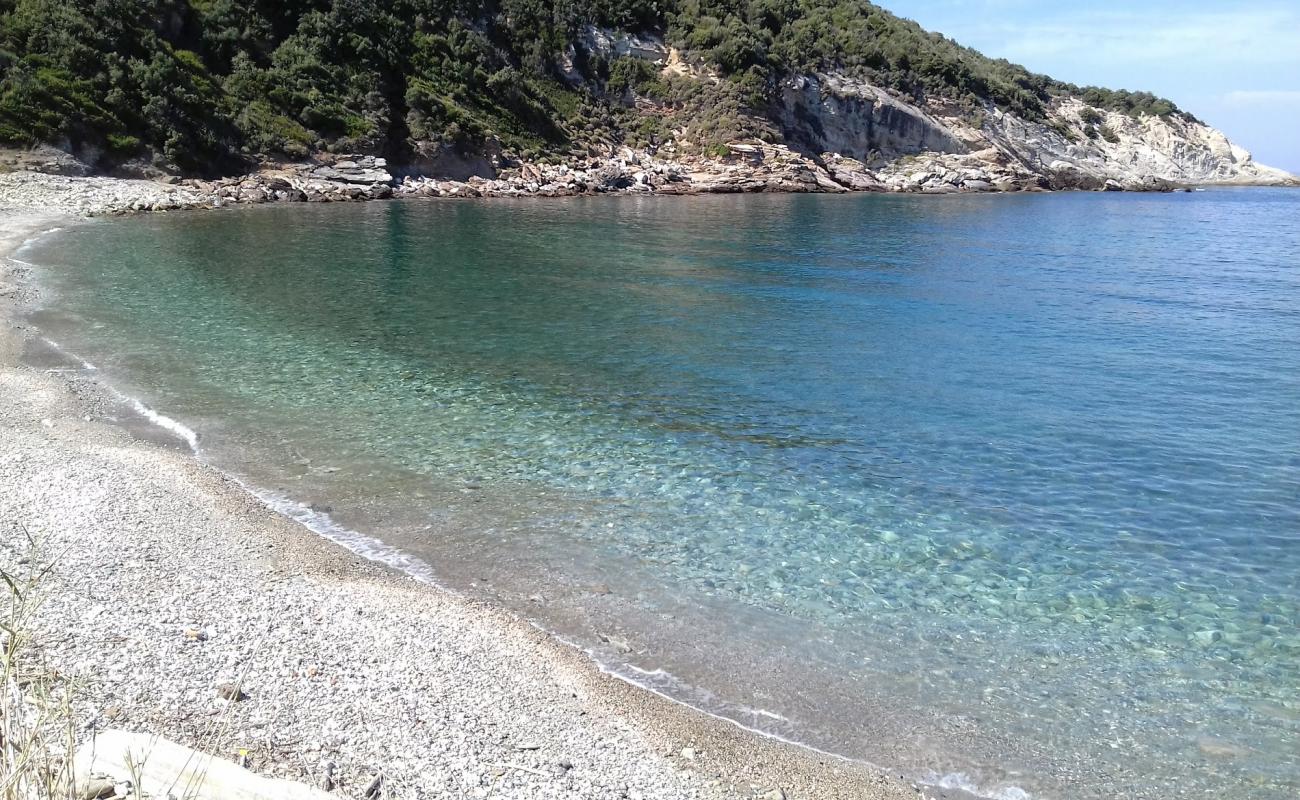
x=45 y=177
x=746 y=168
x=183 y=607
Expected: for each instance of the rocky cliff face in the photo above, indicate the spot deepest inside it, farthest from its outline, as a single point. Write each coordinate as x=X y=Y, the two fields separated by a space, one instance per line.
x=833 y=118
x=830 y=114
x=858 y=136
x=1125 y=149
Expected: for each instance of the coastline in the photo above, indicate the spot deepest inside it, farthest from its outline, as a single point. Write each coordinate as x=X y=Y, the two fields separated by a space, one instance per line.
x=173 y=580
x=45 y=178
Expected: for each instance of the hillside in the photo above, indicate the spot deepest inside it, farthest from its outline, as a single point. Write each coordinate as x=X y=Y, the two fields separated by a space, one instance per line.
x=211 y=87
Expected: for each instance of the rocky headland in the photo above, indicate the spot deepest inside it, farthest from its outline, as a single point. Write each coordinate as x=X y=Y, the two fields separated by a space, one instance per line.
x=1152 y=154
x=831 y=133
x=293 y=103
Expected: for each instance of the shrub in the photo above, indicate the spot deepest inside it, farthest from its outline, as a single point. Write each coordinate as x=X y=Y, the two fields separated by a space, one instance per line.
x=634 y=75
x=1064 y=130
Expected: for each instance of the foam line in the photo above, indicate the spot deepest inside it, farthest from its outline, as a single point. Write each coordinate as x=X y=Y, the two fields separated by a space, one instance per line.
x=323 y=525
x=165 y=422
x=961 y=781
x=28 y=242
x=376 y=550
x=169 y=424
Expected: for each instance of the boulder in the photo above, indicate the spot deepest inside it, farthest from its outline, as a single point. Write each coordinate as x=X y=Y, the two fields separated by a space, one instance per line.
x=156 y=767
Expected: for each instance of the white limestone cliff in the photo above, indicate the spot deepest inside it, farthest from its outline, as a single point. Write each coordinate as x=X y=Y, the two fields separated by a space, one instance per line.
x=1076 y=147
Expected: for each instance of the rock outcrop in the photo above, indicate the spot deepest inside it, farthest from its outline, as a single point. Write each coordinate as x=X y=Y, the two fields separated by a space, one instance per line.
x=936 y=147
x=832 y=114
x=361 y=171
x=1133 y=151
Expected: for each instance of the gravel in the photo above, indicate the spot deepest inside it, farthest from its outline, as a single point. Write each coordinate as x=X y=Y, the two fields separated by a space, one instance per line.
x=191 y=610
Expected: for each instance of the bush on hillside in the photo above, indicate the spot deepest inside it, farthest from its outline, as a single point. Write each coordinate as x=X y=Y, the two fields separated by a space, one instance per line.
x=204 y=84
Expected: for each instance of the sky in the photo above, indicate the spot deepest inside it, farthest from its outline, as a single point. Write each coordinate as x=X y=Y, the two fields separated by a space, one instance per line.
x=1235 y=65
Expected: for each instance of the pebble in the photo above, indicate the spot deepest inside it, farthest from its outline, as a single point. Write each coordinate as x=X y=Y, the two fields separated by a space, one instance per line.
x=231 y=692
x=1218 y=748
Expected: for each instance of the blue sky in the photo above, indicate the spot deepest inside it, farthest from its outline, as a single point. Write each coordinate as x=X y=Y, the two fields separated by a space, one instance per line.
x=1235 y=65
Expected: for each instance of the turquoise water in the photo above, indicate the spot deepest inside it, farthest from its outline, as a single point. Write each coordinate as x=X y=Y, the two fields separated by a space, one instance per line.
x=1002 y=492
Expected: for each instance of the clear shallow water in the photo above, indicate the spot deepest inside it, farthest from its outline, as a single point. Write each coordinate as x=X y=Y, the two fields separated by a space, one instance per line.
x=1005 y=488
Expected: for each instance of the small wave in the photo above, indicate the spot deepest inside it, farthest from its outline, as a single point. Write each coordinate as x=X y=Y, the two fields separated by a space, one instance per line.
x=86 y=365
x=319 y=522
x=165 y=422
x=662 y=683
x=962 y=782
x=667 y=678
x=28 y=242
x=169 y=424
x=325 y=526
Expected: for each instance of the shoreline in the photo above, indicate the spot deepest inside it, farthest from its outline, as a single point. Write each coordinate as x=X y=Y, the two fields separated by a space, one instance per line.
x=757 y=168
x=156 y=545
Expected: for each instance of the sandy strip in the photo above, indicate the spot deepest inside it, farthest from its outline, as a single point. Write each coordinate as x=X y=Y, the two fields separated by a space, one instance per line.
x=171 y=580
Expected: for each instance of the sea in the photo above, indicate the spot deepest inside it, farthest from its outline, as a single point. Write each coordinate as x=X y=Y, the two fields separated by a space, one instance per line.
x=998 y=492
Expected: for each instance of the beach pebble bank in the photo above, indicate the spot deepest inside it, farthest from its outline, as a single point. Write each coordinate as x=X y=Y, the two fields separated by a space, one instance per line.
x=92 y=196
x=744 y=167
x=185 y=616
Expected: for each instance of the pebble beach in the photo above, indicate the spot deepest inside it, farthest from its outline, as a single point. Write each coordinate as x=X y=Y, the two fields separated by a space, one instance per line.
x=186 y=608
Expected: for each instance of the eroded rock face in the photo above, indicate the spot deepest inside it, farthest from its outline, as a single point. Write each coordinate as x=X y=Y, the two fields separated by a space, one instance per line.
x=618 y=44
x=834 y=114
x=1136 y=153
x=1072 y=149
x=43 y=158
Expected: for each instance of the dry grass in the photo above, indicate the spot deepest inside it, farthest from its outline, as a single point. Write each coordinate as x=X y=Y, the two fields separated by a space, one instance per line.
x=37 y=728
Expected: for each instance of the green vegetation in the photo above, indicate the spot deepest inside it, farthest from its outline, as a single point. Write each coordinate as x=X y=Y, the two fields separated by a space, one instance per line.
x=207 y=85
x=1135 y=104
x=1090 y=116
